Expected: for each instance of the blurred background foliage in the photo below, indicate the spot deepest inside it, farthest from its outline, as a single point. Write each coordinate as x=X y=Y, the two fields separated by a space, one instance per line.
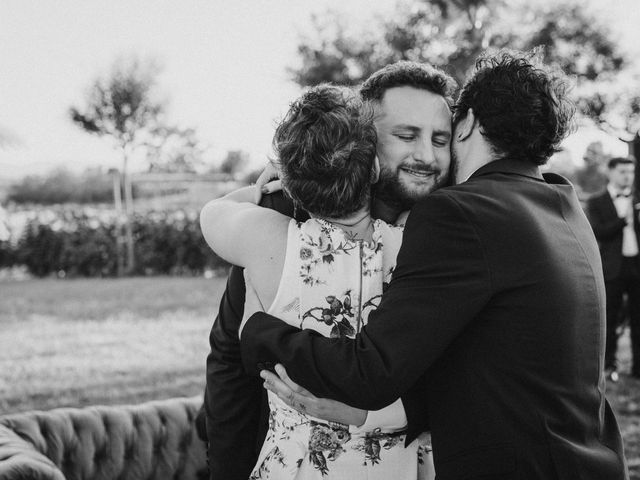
x=81 y=242
x=452 y=33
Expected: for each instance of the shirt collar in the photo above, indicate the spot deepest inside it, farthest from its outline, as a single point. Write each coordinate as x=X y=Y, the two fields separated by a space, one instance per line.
x=508 y=165
x=614 y=192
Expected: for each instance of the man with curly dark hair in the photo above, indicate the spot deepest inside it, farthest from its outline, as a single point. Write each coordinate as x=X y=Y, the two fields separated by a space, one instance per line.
x=496 y=310
x=521 y=109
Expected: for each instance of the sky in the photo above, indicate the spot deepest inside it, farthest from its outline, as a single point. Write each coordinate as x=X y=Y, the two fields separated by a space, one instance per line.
x=224 y=68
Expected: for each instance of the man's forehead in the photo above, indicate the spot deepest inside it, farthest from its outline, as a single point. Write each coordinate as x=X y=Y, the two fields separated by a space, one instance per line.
x=414 y=107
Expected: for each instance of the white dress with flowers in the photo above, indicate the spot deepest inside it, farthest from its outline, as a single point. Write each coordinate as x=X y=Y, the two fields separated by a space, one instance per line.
x=330 y=283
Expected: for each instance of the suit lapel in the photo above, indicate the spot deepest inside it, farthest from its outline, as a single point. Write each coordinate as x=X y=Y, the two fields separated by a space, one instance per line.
x=607 y=203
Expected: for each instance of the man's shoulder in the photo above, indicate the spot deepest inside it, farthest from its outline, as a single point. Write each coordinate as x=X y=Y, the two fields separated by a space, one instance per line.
x=445 y=202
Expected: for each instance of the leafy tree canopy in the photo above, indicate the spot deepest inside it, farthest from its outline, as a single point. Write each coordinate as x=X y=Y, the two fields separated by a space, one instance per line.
x=452 y=33
x=124 y=105
x=121 y=104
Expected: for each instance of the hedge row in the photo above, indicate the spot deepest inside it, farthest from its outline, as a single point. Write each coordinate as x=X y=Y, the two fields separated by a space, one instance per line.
x=76 y=244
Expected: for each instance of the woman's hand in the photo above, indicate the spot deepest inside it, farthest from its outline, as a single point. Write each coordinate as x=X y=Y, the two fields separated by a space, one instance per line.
x=268 y=181
x=305 y=402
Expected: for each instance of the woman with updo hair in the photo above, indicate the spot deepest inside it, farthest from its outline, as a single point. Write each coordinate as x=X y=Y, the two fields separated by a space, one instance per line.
x=326 y=274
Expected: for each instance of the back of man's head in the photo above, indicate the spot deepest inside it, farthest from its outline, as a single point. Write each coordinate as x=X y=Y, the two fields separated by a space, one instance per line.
x=522 y=107
x=408 y=74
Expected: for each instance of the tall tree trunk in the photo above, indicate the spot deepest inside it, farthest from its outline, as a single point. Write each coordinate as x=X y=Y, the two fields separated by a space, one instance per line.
x=117 y=201
x=128 y=207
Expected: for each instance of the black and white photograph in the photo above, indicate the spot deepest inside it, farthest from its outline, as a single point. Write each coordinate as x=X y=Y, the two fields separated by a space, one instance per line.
x=319 y=240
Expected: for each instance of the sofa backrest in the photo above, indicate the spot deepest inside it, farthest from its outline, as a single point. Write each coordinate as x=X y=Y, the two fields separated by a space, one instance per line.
x=154 y=440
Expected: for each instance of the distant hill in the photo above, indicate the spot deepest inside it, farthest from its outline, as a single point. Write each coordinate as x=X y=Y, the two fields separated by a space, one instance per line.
x=152 y=191
x=168 y=191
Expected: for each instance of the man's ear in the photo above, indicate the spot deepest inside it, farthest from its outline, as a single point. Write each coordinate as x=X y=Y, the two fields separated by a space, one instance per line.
x=465 y=126
x=375 y=173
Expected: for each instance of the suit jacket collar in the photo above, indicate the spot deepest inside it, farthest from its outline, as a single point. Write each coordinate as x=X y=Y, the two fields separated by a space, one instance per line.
x=511 y=166
x=607 y=202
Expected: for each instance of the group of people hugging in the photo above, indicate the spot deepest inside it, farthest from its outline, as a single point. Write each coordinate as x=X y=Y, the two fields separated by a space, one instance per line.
x=411 y=295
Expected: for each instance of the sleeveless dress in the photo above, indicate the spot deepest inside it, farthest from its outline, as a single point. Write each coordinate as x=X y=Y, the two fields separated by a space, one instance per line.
x=330 y=283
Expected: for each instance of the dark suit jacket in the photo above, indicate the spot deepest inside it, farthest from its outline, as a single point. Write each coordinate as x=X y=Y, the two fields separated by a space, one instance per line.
x=608 y=226
x=235 y=403
x=495 y=316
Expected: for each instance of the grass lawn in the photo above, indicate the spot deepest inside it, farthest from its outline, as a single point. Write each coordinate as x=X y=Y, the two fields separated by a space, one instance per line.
x=81 y=342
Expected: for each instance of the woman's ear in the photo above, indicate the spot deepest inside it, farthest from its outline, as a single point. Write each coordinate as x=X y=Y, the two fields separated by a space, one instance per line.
x=375 y=173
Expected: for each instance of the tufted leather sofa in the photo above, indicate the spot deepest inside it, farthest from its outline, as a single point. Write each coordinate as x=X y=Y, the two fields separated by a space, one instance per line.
x=151 y=441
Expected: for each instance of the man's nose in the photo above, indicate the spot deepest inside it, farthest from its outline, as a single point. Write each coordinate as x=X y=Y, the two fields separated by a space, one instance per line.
x=423 y=152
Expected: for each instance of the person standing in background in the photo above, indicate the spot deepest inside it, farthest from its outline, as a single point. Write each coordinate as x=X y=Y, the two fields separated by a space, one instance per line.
x=591 y=179
x=614 y=218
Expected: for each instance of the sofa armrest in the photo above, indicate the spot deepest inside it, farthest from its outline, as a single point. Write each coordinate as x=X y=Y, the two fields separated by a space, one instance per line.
x=19 y=460
x=150 y=441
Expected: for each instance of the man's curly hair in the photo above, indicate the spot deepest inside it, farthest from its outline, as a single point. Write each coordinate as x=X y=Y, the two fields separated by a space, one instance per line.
x=408 y=74
x=325 y=146
x=522 y=106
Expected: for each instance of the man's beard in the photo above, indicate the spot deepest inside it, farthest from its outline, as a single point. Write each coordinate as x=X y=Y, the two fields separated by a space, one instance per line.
x=390 y=190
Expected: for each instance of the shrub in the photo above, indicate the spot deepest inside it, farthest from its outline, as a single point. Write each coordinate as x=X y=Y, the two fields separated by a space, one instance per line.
x=7 y=255
x=66 y=242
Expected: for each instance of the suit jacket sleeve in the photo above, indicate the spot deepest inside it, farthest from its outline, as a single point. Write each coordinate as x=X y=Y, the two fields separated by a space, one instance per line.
x=440 y=284
x=235 y=402
x=605 y=226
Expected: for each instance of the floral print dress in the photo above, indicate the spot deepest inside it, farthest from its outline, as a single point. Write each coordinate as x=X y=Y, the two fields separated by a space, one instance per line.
x=330 y=283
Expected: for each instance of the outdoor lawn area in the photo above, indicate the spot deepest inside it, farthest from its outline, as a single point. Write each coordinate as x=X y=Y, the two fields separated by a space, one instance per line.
x=90 y=341
x=108 y=341
x=624 y=397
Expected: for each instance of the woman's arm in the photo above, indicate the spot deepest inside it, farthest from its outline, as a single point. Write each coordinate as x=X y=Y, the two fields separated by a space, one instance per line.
x=241 y=232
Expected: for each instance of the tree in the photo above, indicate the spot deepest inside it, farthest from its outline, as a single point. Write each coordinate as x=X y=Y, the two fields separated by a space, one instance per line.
x=175 y=150
x=123 y=106
x=234 y=162
x=452 y=33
